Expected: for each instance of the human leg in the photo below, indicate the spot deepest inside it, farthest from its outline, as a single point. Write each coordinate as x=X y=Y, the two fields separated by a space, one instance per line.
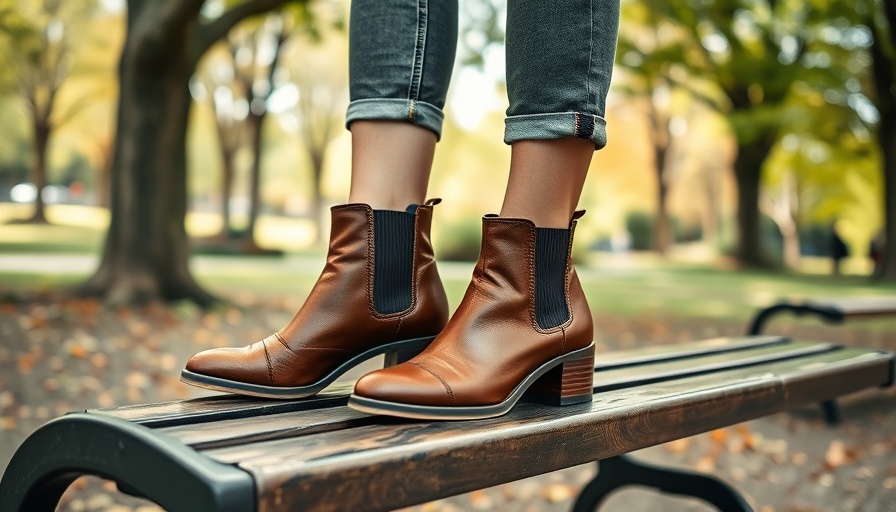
x=523 y=326
x=559 y=64
x=401 y=57
x=379 y=292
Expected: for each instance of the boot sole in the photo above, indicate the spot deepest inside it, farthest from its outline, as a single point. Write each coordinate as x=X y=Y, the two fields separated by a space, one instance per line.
x=553 y=395
x=396 y=352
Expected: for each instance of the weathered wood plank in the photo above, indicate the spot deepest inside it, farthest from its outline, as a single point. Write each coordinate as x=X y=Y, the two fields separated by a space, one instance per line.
x=261 y=428
x=627 y=376
x=223 y=407
x=668 y=352
x=381 y=467
x=292 y=424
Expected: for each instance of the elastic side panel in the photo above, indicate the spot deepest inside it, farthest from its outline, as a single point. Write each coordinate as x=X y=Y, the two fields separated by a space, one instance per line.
x=551 y=245
x=393 y=242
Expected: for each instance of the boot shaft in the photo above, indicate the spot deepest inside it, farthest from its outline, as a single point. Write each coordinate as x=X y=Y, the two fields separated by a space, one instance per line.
x=536 y=263
x=393 y=250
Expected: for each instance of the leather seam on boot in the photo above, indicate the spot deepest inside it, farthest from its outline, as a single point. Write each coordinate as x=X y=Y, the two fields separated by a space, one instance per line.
x=267 y=358
x=397 y=329
x=569 y=270
x=414 y=263
x=434 y=374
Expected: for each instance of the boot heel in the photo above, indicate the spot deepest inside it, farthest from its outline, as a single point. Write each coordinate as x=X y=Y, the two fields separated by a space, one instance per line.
x=570 y=382
x=401 y=355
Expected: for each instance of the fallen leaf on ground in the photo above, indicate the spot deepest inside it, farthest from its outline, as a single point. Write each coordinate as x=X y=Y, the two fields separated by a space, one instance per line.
x=706 y=464
x=836 y=455
x=556 y=493
x=99 y=360
x=77 y=351
x=678 y=446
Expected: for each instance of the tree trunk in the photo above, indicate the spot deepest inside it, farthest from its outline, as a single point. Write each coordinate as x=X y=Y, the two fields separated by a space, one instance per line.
x=39 y=173
x=711 y=207
x=227 y=176
x=884 y=78
x=104 y=174
x=886 y=134
x=317 y=202
x=748 y=172
x=791 y=238
x=146 y=250
x=256 y=123
x=661 y=229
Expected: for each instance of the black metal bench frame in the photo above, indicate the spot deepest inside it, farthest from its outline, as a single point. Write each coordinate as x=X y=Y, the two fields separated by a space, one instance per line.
x=832 y=311
x=169 y=453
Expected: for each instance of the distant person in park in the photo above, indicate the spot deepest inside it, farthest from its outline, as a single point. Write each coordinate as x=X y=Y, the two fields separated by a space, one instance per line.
x=524 y=324
x=839 y=250
x=876 y=252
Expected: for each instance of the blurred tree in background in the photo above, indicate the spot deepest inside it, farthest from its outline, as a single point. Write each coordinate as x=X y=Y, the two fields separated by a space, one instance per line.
x=38 y=60
x=239 y=84
x=146 y=251
x=880 y=18
x=804 y=91
x=239 y=79
x=319 y=115
x=649 y=53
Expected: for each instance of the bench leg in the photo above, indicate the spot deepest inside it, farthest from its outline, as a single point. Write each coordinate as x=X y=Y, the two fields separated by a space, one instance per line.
x=831 y=412
x=140 y=461
x=621 y=471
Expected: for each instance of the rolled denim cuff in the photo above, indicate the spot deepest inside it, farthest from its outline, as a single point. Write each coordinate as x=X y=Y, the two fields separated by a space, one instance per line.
x=420 y=113
x=556 y=126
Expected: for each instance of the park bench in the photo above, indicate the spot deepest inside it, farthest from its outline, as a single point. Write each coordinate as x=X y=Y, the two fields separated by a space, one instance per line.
x=233 y=453
x=831 y=310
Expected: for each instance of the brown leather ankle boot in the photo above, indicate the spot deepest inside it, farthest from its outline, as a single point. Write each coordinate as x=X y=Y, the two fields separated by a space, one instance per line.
x=523 y=326
x=379 y=293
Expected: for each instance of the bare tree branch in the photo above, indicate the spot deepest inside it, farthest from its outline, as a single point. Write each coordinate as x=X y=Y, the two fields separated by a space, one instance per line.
x=211 y=32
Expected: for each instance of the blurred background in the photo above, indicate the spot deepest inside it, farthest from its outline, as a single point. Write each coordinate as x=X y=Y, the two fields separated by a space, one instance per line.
x=166 y=169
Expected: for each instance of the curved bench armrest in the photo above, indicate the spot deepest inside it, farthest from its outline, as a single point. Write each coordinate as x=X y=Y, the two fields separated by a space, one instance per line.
x=139 y=460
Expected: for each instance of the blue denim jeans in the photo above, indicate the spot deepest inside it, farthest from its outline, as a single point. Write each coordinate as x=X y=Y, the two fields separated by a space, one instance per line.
x=559 y=61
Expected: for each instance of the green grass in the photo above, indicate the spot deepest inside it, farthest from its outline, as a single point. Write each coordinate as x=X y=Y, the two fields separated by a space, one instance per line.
x=81 y=229
x=662 y=291
x=630 y=285
x=708 y=292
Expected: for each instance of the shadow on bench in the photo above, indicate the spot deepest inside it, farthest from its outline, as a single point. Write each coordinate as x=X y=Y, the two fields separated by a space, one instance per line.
x=233 y=453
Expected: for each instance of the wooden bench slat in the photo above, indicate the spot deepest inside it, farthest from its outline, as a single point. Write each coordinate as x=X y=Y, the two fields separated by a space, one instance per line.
x=858 y=306
x=606 y=380
x=261 y=428
x=668 y=352
x=412 y=462
x=293 y=424
x=223 y=407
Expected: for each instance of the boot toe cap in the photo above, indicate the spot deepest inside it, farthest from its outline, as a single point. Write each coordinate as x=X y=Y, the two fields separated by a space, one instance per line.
x=406 y=383
x=237 y=364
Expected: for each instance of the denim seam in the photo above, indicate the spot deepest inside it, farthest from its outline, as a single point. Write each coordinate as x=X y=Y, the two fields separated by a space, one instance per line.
x=544 y=114
x=590 y=59
x=419 y=53
x=371 y=100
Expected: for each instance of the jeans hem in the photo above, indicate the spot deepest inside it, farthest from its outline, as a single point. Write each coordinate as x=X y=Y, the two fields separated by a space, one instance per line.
x=420 y=113
x=555 y=126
